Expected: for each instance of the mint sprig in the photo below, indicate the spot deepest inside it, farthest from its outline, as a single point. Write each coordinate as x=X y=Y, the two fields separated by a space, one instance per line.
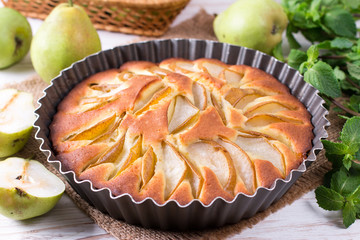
x=332 y=65
x=343 y=192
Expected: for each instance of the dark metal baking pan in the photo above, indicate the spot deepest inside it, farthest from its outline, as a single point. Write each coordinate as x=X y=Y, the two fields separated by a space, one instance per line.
x=171 y=215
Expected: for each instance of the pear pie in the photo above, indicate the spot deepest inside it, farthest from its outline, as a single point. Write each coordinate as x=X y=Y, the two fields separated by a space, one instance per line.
x=181 y=130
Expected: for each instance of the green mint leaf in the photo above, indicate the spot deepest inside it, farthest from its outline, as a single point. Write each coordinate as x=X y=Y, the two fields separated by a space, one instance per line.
x=299 y=16
x=340 y=22
x=314 y=10
x=339 y=74
x=290 y=37
x=350 y=134
x=277 y=52
x=357 y=156
x=354 y=103
x=335 y=148
x=341 y=43
x=329 y=199
x=312 y=53
x=303 y=67
x=296 y=58
x=322 y=77
x=354 y=70
x=353 y=4
x=347 y=161
x=329 y=3
x=336 y=160
x=357 y=208
x=349 y=214
x=347 y=86
x=344 y=182
x=357 y=47
x=315 y=34
x=353 y=56
x=335 y=44
x=355 y=195
x=324 y=44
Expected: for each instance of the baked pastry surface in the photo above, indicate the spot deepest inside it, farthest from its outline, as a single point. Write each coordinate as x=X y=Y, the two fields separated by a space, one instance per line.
x=181 y=130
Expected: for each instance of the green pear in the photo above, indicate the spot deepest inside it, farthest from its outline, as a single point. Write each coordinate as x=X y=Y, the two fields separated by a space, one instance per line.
x=15 y=37
x=16 y=120
x=256 y=24
x=67 y=35
x=27 y=188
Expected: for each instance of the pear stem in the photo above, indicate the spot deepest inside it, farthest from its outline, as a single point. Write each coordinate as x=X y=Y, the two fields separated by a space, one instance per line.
x=70 y=3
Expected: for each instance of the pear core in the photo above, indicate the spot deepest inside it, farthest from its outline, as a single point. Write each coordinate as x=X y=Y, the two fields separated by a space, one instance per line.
x=30 y=176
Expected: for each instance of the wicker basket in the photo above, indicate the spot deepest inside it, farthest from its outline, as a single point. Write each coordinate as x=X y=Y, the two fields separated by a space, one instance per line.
x=141 y=17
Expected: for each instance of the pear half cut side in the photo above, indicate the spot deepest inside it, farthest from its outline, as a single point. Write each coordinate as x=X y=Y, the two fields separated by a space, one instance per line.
x=27 y=188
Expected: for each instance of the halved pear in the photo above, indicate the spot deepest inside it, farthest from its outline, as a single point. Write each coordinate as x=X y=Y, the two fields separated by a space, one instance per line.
x=16 y=120
x=27 y=188
x=182 y=113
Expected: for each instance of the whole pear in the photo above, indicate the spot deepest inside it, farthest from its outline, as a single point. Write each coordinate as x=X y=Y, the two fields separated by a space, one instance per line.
x=256 y=24
x=67 y=35
x=15 y=37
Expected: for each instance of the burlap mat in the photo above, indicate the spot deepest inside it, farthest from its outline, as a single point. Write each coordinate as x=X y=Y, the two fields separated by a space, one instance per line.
x=198 y=27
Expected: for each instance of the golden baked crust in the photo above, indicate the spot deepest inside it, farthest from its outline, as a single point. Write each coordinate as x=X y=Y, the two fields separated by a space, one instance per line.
x=181 y=130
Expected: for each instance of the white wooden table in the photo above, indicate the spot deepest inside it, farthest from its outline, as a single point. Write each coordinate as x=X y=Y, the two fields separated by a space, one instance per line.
x=301 y=220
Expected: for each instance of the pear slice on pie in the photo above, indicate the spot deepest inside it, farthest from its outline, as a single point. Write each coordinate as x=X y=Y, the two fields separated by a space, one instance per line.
x=213 y=156
x=146 y=94
x=95 y=130
x=242 y=163
x=182 y=113
x=200 y=96
x=174 y=168
x=261 y=148
x=267 y=108
x=148 y=166
x=231 y=77
x=212 y=68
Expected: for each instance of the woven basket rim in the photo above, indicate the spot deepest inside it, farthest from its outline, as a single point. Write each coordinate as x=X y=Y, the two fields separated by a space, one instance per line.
x=132 y=3
x=146 y=3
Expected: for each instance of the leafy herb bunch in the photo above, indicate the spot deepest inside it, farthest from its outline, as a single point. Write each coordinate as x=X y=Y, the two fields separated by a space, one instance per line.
x=332 y=65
